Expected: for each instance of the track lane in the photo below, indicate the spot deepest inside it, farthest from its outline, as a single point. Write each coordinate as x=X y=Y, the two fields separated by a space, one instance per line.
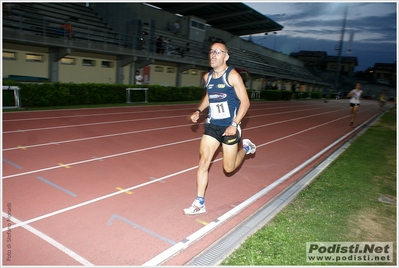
x=176 y=191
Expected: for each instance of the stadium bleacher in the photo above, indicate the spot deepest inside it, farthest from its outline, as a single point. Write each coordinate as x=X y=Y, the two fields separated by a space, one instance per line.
x=43 y=19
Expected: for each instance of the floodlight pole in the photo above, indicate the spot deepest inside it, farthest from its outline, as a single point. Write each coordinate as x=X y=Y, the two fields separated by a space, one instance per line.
x=340 y=48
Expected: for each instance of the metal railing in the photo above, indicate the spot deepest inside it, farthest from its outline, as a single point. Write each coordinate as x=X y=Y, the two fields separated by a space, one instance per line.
x=44 y=26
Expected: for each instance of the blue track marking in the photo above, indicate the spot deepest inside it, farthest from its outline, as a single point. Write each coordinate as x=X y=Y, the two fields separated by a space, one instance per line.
x=57 y=186
x=115 y=216
x=12 y=164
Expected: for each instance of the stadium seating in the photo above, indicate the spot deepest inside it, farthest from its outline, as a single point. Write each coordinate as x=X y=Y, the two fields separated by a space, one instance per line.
x=43 y=19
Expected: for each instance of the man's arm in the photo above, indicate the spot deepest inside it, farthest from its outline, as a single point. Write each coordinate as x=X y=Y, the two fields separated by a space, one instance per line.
x=236 y=81
x=203 y=104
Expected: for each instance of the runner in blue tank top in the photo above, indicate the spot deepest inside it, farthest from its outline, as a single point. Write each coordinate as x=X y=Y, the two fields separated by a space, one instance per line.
x=223 y=100
x=227 y=101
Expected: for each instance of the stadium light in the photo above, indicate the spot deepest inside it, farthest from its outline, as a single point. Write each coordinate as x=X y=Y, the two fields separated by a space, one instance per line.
x=340 y=48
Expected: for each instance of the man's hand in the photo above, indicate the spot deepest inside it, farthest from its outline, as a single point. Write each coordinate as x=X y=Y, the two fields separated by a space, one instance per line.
x=230 y=131
x=195 y=116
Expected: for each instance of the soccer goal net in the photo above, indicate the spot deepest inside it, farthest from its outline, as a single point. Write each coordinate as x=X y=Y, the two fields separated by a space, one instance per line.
x=136 y=95
x=11 y=97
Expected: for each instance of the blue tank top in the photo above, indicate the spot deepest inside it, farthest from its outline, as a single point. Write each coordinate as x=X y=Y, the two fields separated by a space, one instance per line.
x=223 y=100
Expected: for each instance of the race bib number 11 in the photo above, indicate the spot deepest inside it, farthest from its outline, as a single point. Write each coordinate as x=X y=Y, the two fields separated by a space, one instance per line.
x=220 y=110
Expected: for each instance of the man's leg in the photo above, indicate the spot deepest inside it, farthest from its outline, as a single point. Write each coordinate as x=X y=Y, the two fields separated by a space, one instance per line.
x=232 y=158
x=233 y=154
x=208 y=147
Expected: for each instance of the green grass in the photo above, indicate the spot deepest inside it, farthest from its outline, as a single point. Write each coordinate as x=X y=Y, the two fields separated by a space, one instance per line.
x=341 y=205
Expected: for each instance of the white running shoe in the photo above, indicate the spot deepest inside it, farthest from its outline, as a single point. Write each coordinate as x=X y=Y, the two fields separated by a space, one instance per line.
x=252 y=147
x=196 y=208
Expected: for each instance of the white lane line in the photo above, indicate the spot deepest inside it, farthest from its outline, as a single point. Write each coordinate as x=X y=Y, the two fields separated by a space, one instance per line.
x=122 y=121
x=96 y=137
x=115 y=113
x=159 y=146
x=162 y=257
x=97 y=199
x=48 y=239
x=170 y=252
x=147 y=130
x=90 y=124
x=98 y=158
x=91 y=115
x=149 y=182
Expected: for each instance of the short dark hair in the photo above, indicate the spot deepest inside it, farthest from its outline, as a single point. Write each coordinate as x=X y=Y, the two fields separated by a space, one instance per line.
x=219 y=41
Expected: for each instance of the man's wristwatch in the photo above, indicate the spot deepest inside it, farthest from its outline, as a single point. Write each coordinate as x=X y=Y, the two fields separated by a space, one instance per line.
x=234 y=124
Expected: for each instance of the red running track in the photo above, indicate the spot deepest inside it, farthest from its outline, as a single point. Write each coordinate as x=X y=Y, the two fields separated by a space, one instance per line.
x=107 y=186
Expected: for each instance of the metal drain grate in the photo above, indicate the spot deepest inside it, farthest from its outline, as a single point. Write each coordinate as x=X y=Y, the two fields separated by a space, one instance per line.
x=211 y=257
x=223 y=248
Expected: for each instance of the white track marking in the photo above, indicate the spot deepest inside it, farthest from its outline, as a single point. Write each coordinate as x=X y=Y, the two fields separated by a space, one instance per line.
x=49 y=240
x=91 y=115
x=97 y=137
x=152 y=181
x=97 y=199
x=90 y=124
x=173 y=250
x=102 y=114
x=147 y=130
x=164 y=145
x=128 y=120
x=100 y=158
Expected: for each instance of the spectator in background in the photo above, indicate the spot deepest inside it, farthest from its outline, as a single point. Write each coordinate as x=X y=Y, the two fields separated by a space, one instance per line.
x=158 y=44
x=187 y=48
x=176 y=27
x=293 y=89
x=138 y=78
x=180 y=50
x=67 y=29
x=168 y=46
x=164 y=45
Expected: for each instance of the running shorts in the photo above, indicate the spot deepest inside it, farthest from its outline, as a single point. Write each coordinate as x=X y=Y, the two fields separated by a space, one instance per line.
x=217 y=133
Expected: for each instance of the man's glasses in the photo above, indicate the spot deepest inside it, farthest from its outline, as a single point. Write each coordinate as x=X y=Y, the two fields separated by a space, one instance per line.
x=216 y=51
